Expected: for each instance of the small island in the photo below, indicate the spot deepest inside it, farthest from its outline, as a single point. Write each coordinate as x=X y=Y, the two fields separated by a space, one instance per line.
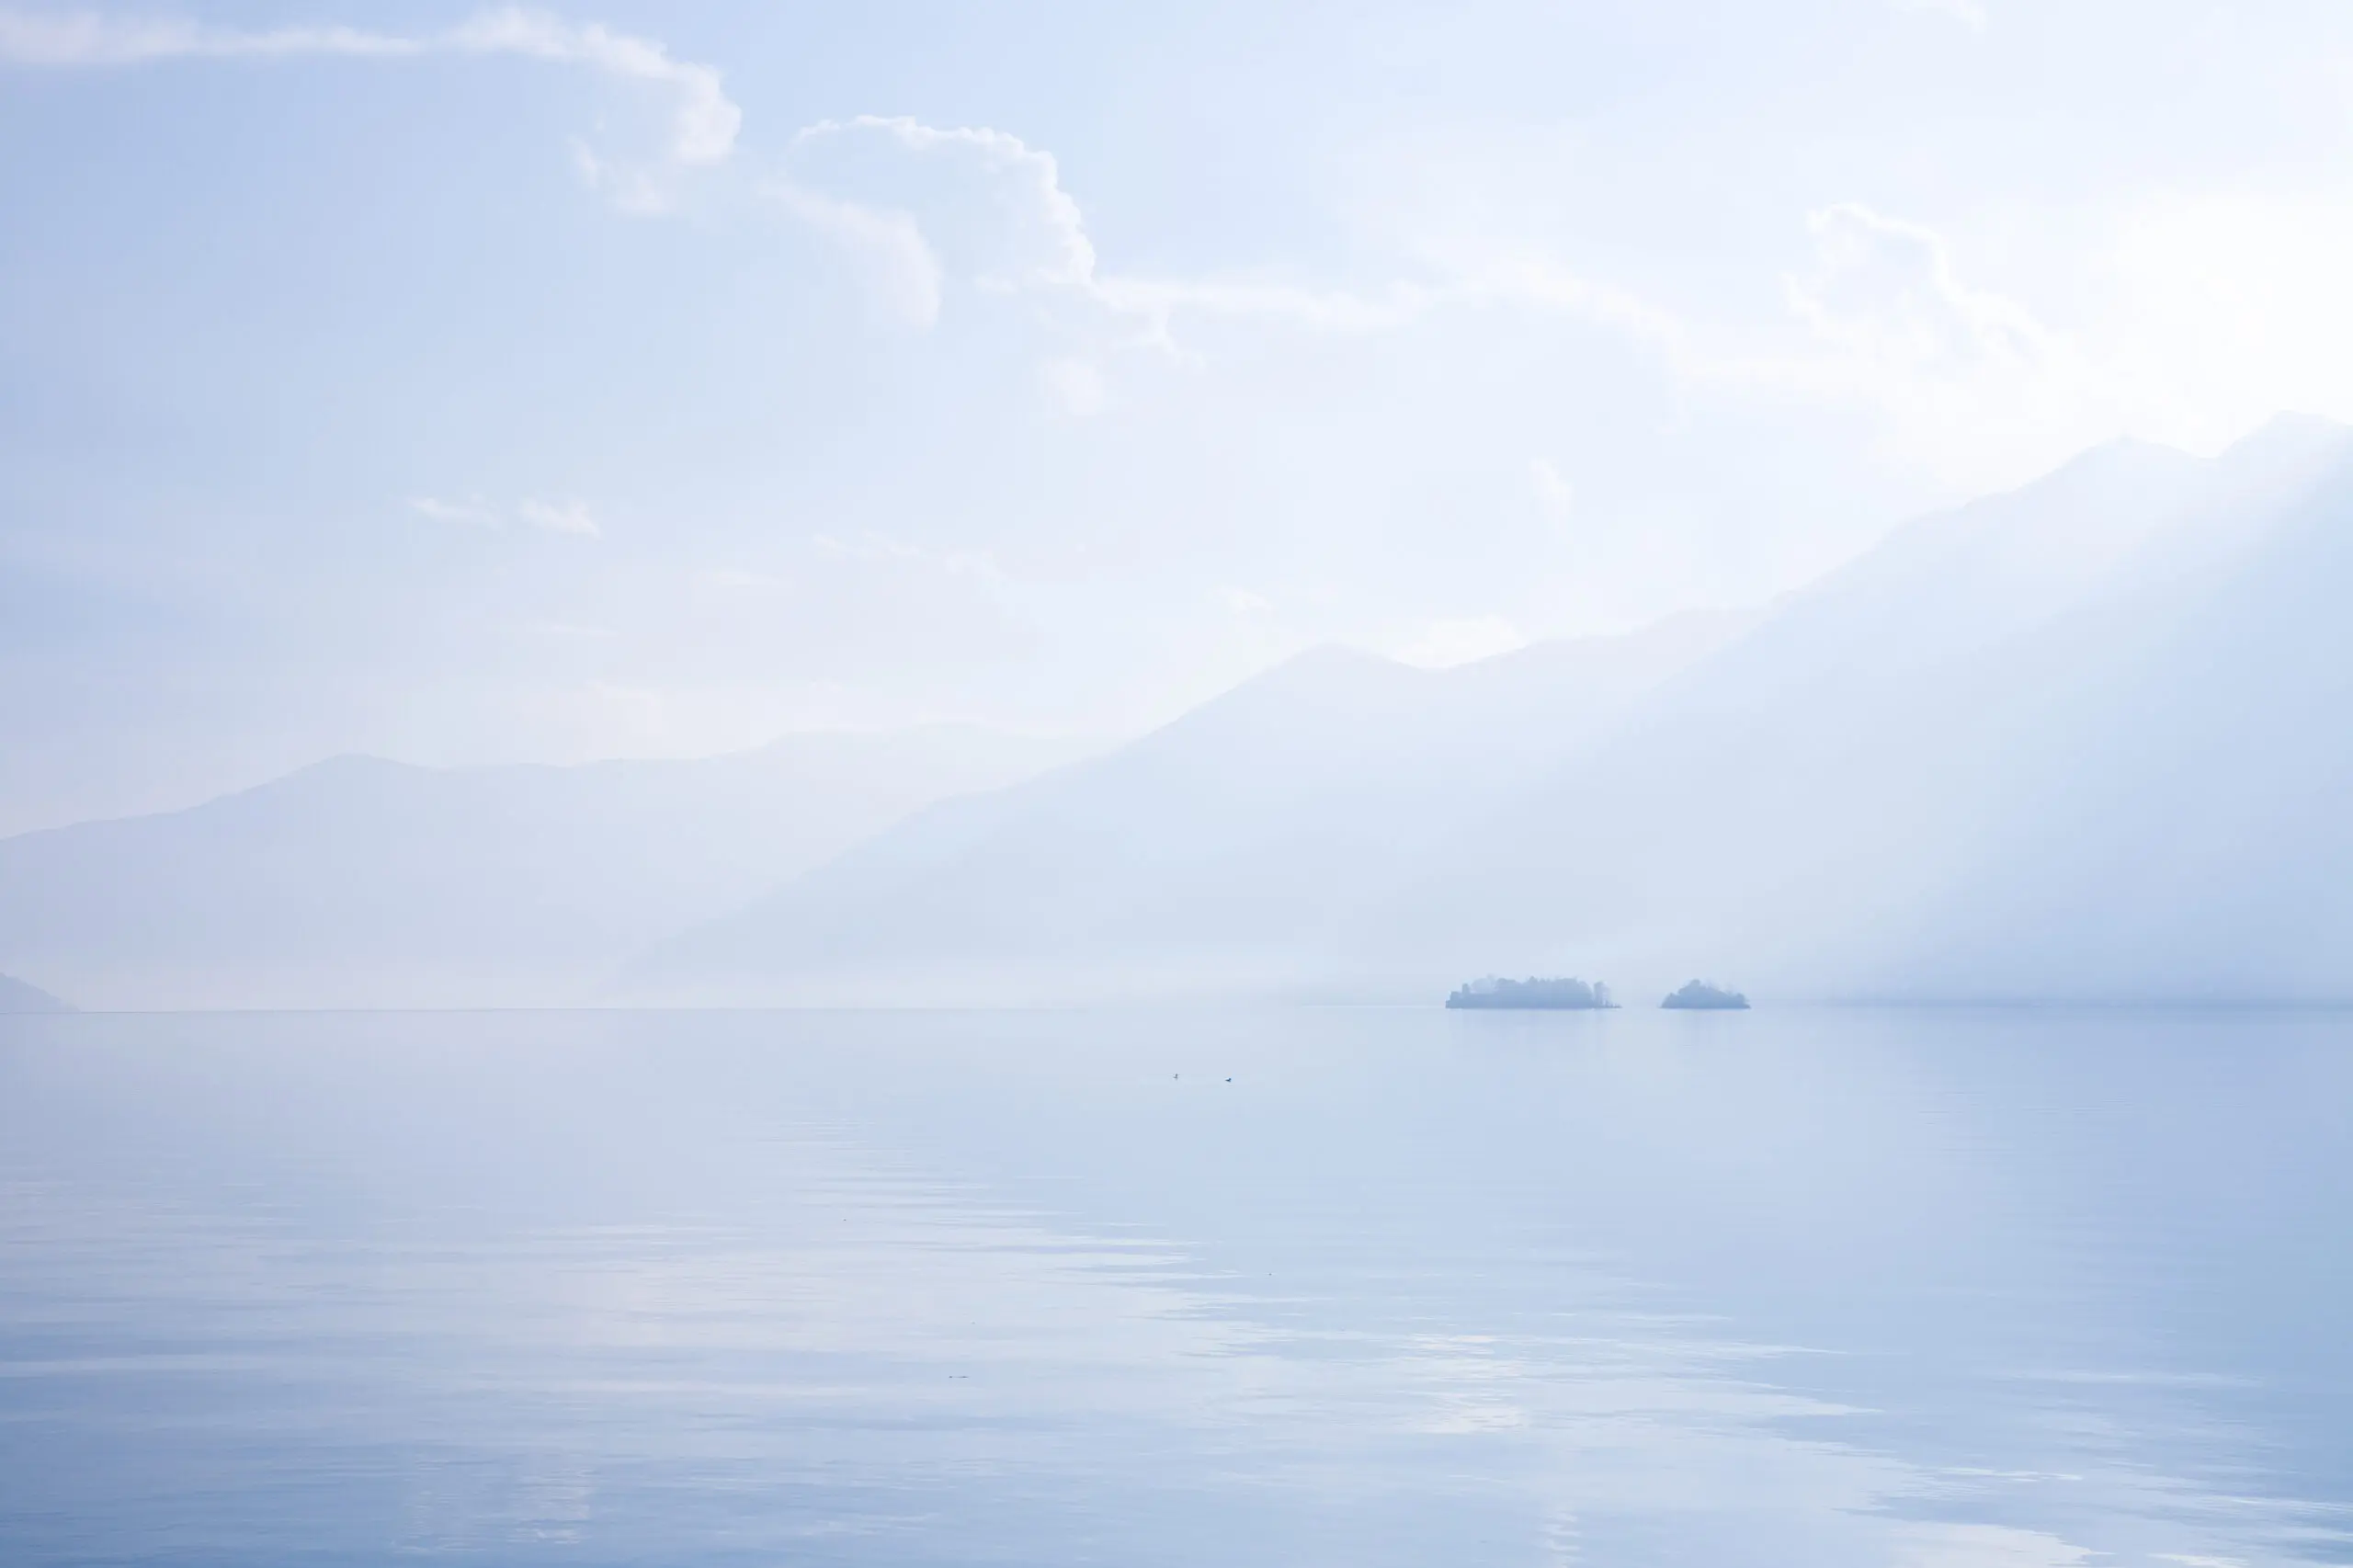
x=1496 y=991
x=1699 y=994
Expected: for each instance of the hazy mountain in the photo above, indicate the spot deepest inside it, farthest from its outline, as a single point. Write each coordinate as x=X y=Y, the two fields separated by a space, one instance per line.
x=360 y=882
x=2074 y=741
x=16 y=997
x=1228 y=848
x=2177 y=823
x=2086 y=739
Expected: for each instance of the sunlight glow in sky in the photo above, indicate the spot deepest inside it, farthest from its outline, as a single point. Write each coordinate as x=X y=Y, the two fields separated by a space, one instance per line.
x=469 y=385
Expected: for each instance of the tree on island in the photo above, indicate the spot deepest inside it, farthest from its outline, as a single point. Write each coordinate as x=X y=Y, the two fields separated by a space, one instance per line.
x=1495 y=992
x=1699 y=994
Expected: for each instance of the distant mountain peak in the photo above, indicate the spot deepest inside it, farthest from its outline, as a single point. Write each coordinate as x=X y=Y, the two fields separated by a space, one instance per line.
x=2290 y=446
x=2295 y=425
x=16 y=997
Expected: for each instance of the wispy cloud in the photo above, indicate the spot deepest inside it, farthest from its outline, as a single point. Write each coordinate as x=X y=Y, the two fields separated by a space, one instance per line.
x=1041 y=239
x=1888 y=287
x=703 y=121
x=1968 y=381
x=974 y=205
x=560 y=518
x=471 y=511
x=570 y=517
x=1004 y=224
x=902 y=269
x=65 y=41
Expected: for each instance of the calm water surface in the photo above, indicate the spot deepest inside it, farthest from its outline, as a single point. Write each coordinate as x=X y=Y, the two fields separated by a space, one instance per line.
x=1312 y=1287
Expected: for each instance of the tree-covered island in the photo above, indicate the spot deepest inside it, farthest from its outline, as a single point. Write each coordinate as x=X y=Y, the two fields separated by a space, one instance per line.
x=1699 y=994
x=1496 y=992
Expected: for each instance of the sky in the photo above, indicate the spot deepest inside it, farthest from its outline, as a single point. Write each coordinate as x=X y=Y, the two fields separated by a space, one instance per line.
x=469 y=385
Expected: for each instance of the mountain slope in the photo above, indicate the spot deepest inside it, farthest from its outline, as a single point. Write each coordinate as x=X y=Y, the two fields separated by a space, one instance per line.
x=1895 y=787
x=2175 y=826
x=1221 y=851
x=365 y=882
x=2079 y=740
x=16 y=997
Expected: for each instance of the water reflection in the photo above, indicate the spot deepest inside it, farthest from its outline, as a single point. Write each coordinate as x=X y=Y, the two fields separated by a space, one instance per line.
x=1299 y=1288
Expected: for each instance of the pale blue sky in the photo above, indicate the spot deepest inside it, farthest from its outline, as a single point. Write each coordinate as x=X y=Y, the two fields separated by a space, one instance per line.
x=470 y=385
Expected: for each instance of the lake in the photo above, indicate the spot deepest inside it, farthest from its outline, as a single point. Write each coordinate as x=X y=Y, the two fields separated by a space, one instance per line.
x=1346 y=1287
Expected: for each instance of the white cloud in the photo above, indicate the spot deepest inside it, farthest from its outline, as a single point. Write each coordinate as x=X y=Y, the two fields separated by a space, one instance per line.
x=571 y=518
x=1972 y=384
x=902 y=269
x=971 y=202
x=84 y=39
x=918 y=205
x=1040 y=240
x=1439 y=644
x=1887 y=289
x=1242 y=601
x=1967 y=382
x=703 y=120
x=985 y=208
x=560 y=518
x=471 y=511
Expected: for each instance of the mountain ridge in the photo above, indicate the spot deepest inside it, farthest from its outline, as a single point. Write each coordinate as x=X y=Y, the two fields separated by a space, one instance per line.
x=21 y=997
x=1805 y=803
x=359 y=881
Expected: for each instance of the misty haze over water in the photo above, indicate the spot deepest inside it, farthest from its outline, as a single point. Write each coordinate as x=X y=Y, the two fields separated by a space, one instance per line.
x=1041 y=783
